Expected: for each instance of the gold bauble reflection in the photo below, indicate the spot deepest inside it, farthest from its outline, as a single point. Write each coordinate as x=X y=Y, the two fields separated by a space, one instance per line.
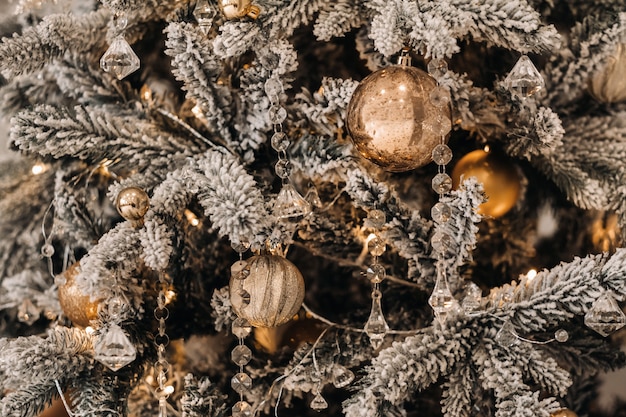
x=133 y=203
x=271 y=294
x=392 y=121
x=236 y=9
x=500 y=179
x=564 y=412
x=608 y=85
x=76 y=305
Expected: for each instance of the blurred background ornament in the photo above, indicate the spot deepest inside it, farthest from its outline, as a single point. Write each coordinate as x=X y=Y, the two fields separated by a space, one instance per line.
x=500 y=178
x=77 y=306
x=300 y=330
x=608 y=85
x=236 y=9
x=392 y=120
x=564 y=412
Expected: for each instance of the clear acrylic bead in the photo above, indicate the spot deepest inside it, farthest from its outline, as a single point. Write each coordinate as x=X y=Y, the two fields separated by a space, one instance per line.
x=280 y=141
x=290 y=204
x=376 y=327
x=240 y=246
x=439 y=97
x=473 y=298
x=283 y=168
x=241 y=328
x=116 y=306
x=605 y=316
x=442 y=154
x=241 y=382
x=273 y=87
x=441 y=241
x=561 y=335
x=524 y=80
x=27 y=312
x=242 y=409
x=342 y=376
x=439 y=125
x=507 y=336
x=441 y=212
x=376 y=273
x=240 y=270
x=120 y=59
x=318 y=403
x=441 y=300
x=376 y=218
x=376 y=246
x=437 y=68
x=442 y=183
x=277 y=114
x=241 y=355
x=47 y=250
x=205 y=13
x=113 y=348
x=120 y=22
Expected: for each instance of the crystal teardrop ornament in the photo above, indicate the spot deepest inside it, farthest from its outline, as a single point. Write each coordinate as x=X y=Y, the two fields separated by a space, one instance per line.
x=205 y=13
x=242 y=409
x=342 y=376
x=290 y=204
x=162 y=407
x=605 y=316
x=441 y=300
x=120 y=59
x=473 y=298
x=507 y=336
x=319 y=403
x=376 y=327
x=113 y=348
x=524 y=80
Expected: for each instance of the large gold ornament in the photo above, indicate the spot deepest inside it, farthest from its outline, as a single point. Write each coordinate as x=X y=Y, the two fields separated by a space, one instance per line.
x=77 y=306
x=133 y=203
x=236 y=9
x=393 y=121
x=564 y=412
x=500 y=179
x=270 y=293
x=609 y=84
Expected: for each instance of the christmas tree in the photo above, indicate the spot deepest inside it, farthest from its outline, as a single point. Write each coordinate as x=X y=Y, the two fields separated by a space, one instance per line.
x=359 y=208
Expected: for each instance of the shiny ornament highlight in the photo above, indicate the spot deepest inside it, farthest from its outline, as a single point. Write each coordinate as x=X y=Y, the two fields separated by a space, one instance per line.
x=77 y=306
x=133 y=203
x=236 y=9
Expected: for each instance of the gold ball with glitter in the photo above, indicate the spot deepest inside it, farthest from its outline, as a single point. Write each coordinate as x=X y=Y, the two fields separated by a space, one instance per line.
x=236 y=9
x=393 y=121
x=76 y=305
x=269 y=293
x=564 y=412
x=133 y=203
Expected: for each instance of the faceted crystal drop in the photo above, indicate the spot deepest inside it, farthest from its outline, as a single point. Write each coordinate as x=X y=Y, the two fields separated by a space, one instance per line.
x=437 y=68
x=439 y=97
x=116 y=306
x=162 y=407
x=439 y=125
x=27 y=312
x=242 y=409
x=280 y=141
x=290 y=204
x=524 y=80
x=113 y=348
x=241 y=382
x=441 y=242
x=442 y=183
x=204 y=14
x=376 y=327
x=241 y=355
x=561 y=335
x=241 y=328
x=376 y=246
x=313 y=197
x=376 y=218
x=319 y=403
x=376 y=273
x=441 y=300
x=277 y=114
x=605 y=316
x=342 y=376
x=442 y=154
x=473 y=297
x=273 y=87
x=441 y=212
x=507 y=336
x=283 y=168
x=120 y=59
x=240 y=270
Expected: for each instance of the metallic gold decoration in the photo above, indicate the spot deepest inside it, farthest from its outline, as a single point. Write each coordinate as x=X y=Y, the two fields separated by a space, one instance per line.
x=236 y=9
x=271 y=294
x=76 y=305
x=132 y=203
x=564 y=412
x=392 y=120
x=605 y=232
x=609 y=84
x=500 y=179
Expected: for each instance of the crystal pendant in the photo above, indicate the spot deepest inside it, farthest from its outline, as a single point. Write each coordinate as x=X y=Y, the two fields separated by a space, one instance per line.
x=241 y=328
x=507 y=336
x=376 y=246
x=473 y=297
x=114 y=349
x=376 y=218
x=120 y=59
x=605 y=316
x=442 y=183
x=313 y=197
x=241 y=355
x=319 y=403
x=27 y=312
x=441 y=212
x=280 y=141
x=342 y=376
x=442 y=154
x=162 y=407
x=241 y=382
x=441 y=300
x=205 y=13
x=376 y=327
x=439 y=97
x=437 y=68
x=524 y=80
x=242 y=409
x=290 y=204
x=376 y=273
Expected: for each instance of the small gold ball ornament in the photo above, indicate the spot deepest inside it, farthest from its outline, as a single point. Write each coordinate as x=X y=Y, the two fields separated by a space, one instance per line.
x=564 y=412
x=133 y=203
x=236 y=9
x=76 y=305
x=392 y=120
x=500 y=179
x=270 y=293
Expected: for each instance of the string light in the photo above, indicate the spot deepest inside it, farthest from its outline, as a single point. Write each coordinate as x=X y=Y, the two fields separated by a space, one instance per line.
x=38 y=169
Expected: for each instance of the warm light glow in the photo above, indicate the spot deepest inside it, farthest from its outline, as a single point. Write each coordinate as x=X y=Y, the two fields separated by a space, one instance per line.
x=487 y=148
x=191 y=218
x=38 y=169
x=169 y=296
x=369 y=238
x=168 y=390
x=402 y=87
x=149 y=379
x=197 y=111
x=531 y=274
x=89 y=330
x=146 y=93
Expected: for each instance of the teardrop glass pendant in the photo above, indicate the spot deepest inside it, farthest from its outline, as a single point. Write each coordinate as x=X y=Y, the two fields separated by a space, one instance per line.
x=120 y=59
x=376 y=327
x=441 y=300
x=289 y=204
x=205 y=13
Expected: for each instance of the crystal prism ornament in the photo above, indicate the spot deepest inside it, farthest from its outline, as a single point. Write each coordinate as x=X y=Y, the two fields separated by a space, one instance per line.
x=524 y=80
x=507 y=336
x=290 y=204
x=441 y=300
x=241 y=328
x=120 y=59
x=605 y=316
x=113 y=348
x=27 y=312
x=319 y=403
x=162 y=407
x=241 y=355
x=473 y=296
x=376 y=327
x=313 y=197
x=205 y=13
x=241 y=382
x=242 y=409
x=342 y=376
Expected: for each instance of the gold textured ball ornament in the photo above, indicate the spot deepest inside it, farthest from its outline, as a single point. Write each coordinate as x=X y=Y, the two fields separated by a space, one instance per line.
x=270 y=293
x=133 y=203
x=564 y=412
x=77 y=306
x=392 y=120
x=236 y=9
x=501 y=180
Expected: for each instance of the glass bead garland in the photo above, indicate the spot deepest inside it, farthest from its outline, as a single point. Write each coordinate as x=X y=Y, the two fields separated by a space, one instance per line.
x=161 y=366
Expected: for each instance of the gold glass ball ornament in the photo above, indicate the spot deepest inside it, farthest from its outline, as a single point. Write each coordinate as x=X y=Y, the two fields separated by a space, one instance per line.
x=393 y=121
x=270 y=293
x=77 y=306
x=133 y=203
x=564 y=412
x=236 y=9
x=500 y=179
